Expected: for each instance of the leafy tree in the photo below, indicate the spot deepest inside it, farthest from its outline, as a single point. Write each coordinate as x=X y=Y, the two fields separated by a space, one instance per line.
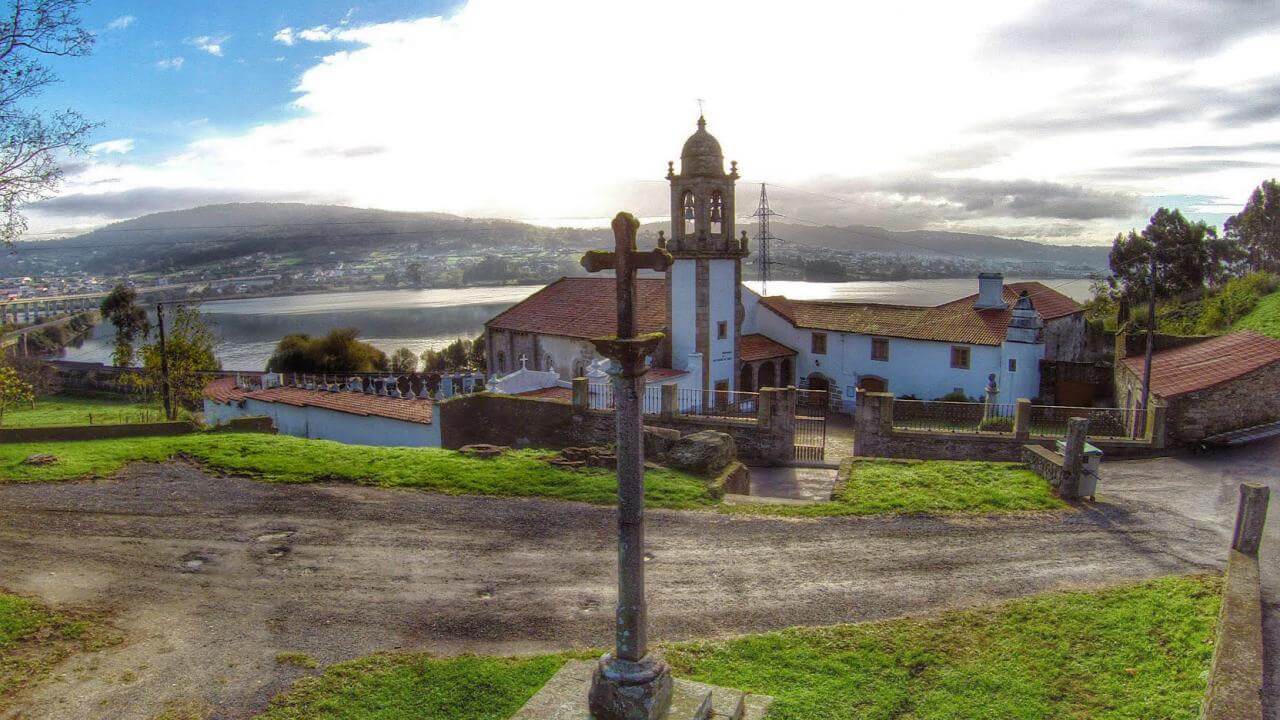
x=477 y=358
x=31 y=30
x=1182 y=255
x=13 y=390
x=403 y=361
x=189 y=347
x=40 y=375
x=457 y=355
x=413 y=274
x=338 y=352
x=391 y=278
x=121 y=308
x=1256 y=228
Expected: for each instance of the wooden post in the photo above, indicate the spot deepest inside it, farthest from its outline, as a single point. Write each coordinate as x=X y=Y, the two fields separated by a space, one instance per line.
x=1022 y=419
x=1073 y=457
x=1251 y=516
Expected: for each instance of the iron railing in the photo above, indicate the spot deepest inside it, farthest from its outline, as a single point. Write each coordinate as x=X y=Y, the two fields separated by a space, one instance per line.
x=717 y=403
x=1051 y=421
x=600 y=396
x=945 y=416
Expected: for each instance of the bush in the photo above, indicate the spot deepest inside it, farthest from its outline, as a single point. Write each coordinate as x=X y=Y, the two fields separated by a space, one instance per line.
x=956 y=396
x=996 y=424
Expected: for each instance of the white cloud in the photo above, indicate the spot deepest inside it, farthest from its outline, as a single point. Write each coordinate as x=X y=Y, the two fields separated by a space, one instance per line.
x=120 y=146
x=173 y=63
x=570 y=109
x=209 y=44
x=121 y=22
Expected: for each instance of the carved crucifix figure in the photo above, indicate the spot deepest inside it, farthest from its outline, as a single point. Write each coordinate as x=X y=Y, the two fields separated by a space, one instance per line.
x=630 y=683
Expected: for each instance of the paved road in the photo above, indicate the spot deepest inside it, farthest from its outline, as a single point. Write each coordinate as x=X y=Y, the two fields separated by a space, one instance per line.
x=211 y=577
x=1203 y=490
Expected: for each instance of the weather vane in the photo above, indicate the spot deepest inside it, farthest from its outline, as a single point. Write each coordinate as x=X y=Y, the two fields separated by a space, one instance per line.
x=700 y=113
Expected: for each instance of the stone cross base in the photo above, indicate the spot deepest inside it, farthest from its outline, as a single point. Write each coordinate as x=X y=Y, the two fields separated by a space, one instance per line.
x=564 y=697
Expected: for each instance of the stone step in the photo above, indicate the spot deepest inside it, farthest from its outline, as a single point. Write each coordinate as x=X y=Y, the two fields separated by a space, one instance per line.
x=564 y=697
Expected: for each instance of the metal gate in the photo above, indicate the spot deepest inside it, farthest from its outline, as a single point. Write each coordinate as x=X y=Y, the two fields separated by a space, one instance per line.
x=811 y=426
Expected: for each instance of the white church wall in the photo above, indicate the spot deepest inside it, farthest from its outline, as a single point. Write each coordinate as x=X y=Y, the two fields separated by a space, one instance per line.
x=1024 y=380
x=722 y=275
x=324 y=424
x=683 y=316
x=566 y=353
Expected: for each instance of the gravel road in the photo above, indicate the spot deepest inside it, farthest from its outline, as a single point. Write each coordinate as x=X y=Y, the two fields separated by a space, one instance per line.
x=209 y=577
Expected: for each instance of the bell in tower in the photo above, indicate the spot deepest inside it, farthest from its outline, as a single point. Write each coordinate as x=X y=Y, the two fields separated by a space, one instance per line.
x=702 y=198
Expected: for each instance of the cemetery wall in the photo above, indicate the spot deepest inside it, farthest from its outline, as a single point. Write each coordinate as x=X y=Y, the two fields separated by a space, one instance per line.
x=95 y=432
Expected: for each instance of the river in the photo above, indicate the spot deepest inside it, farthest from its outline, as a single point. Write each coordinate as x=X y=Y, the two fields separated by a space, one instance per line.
x=248 y=330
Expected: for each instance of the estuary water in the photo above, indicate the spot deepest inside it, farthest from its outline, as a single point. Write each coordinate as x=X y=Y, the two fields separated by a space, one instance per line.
x=248 y=329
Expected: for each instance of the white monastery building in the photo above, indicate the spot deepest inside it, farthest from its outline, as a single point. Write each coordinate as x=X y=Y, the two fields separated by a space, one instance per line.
x=721 y=335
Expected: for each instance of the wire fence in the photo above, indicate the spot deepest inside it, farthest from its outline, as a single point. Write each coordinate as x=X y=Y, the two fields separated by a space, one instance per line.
x=949 y=416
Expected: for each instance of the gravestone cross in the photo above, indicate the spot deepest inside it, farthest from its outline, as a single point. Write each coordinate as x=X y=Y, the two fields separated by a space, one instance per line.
x=629 y=683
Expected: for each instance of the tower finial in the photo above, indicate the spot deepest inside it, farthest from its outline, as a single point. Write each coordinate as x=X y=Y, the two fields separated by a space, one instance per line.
x=702 y=120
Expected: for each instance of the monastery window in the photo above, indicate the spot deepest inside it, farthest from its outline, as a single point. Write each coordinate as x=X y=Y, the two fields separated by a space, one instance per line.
x=548 y=362
x=1013 y=365
x=502 y=361
x=722 y=330
x=880 y=349
x=689 y=211
x=818 y=344
x=716 y=213
x=959 y=357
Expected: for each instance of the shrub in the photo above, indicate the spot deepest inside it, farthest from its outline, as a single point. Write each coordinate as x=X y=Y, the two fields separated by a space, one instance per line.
x=996 y=424
x=956 y=396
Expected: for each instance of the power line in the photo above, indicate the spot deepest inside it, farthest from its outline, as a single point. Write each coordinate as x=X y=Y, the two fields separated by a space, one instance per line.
x=764 y=238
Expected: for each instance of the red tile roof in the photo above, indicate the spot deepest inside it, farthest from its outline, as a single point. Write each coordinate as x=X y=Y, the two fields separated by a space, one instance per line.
x=1205 y=364
x=224 y=390
x=584 y=308
x=957 y=321
x=759 y=347
x=563 y=394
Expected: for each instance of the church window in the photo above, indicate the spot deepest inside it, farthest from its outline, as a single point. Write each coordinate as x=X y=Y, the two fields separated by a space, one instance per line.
x=502 y=361
x=959 y=357
x=716 y=213
x=1013 y=365
x=818 y=344
x=548 y=362
x=722 y=330
x=688 y=212
x=879 y=349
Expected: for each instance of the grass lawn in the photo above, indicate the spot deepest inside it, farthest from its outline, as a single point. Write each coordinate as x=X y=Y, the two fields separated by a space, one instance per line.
x=878 y=487
x=281 y=458
x=1140 y=652
x=1264 y=318
x=69 y=410
x=33 y=639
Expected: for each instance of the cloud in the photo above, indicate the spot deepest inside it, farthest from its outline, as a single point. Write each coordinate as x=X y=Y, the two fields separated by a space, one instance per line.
x=209 y=44
x=319 y=33
x=120 y=146
x=349 y=152
x=1164 y=28
x=285 y=36
x=1176 y=168
x=121 y=22
x=173 y=63
x=140 y=201
x=1266 y=146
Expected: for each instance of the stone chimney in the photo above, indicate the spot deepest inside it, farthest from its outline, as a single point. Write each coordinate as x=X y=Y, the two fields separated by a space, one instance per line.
x=990 y=292
x=1025 y=326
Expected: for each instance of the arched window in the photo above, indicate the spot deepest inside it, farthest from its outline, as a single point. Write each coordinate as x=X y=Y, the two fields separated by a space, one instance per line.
x=502 y=362
x=579 y=369
x=716 y=213
x=688 y=211
x=548 y=362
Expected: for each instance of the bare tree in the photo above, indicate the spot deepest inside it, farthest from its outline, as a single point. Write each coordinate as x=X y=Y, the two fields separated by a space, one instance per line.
x=29 y=31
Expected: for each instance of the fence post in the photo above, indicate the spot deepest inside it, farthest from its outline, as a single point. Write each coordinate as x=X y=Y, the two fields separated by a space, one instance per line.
x=765 y=399
x=1073 y=457
x=581 y=393
x=670 y=400
x=1155 y=428
x=1022 y=419
x=1251 y=516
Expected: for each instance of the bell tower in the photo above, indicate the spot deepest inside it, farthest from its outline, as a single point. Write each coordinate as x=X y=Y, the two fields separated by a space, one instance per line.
x=705 y=280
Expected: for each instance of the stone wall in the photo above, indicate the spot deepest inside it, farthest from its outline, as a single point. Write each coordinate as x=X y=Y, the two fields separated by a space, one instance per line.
x=1046 y=463
x=1065 y=338
x=1251 y=399
x=875 y=436
x=540 y=422
x=95 y=432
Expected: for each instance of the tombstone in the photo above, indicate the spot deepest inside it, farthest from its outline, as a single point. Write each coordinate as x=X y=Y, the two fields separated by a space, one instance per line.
x=446 y=387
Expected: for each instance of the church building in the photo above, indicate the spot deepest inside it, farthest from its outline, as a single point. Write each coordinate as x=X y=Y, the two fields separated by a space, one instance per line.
x=722 y=336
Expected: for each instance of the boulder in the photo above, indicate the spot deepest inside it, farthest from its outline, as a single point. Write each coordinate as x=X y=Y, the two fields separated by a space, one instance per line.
x=658 y=442
x=482 y=450
x=705 y=452
x=40 y=459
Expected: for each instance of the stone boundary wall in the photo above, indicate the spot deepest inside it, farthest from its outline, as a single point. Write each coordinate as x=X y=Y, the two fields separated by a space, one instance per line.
x=875 y=436
x=541 y=422
x=251 y=424
x=63 y=433
x=1046 y=463
x=1235 y=679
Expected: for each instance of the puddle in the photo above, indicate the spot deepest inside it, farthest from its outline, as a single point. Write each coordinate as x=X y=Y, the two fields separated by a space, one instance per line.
x=273 y=536
x=193 y=562
x=486 y=593
x=649 y=556
x=279 y=551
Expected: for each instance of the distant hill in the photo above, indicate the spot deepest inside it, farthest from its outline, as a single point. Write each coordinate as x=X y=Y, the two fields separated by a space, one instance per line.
x=184 y=238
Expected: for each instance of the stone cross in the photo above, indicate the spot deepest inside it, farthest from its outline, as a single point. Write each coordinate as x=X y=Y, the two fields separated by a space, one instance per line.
x=629 y=683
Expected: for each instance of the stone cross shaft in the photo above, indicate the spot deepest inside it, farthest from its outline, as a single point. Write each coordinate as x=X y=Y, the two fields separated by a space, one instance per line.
x=629 y=684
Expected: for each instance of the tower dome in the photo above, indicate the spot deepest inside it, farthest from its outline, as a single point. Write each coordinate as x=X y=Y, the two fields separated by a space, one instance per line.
x=701 y=154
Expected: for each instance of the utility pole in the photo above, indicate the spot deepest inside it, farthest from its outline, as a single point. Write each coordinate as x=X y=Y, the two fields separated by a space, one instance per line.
x=1151 y=331
x=763 y=240
x=164 y=363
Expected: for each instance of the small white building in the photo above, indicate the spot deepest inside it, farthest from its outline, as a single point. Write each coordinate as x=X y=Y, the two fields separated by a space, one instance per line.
x=333 y=413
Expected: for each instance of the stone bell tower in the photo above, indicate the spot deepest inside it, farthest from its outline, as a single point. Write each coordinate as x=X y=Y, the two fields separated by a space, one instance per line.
x=705 y=280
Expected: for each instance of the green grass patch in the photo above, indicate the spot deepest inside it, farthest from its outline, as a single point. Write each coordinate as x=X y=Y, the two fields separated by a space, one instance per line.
x=33 y=639
x=73 y=410
x=903 y=487
x=1132 y=653
x=286 y=459
x=1264 y=318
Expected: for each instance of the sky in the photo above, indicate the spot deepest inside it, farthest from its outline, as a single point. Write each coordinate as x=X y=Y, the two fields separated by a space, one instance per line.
x=1049 y=121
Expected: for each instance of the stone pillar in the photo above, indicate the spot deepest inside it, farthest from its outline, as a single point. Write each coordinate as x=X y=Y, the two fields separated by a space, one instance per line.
x=670 y=400
x=1155 y=428
x=1022 y=419
x=765 y=403
x=1073 y=457
x=581 y=393
x=1251 y=516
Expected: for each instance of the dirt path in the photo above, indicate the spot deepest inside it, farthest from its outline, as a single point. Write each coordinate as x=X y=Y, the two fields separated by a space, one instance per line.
x=211 y=577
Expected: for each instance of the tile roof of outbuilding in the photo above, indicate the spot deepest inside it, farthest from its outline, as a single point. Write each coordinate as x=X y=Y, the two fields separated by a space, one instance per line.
x=1205 y=364
x=760 y=347
x=956 y=321
x=584 y=308
x=224 y=390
